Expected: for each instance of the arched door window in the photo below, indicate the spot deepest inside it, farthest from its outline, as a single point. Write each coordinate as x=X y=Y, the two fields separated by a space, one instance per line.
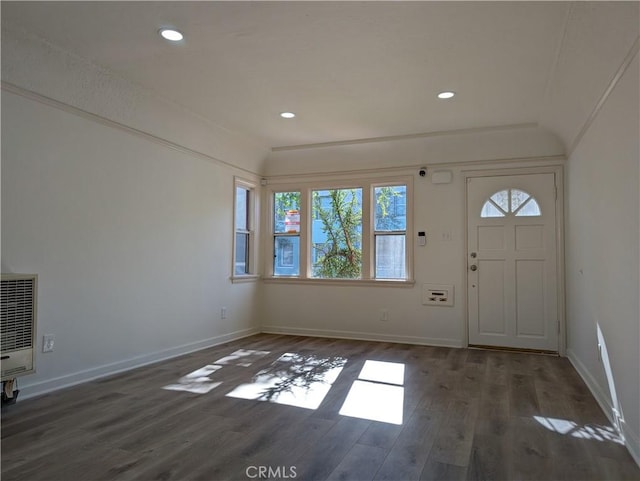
x=510 y=202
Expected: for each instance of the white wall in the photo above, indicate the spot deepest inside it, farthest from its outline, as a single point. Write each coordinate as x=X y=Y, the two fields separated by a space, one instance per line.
x=127 y=237
x=602 y=252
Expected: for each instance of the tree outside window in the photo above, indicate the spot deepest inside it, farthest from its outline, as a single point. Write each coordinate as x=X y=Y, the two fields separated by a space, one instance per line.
x=337 y=233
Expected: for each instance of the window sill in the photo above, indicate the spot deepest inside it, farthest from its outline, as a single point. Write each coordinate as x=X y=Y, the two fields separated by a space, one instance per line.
x=341 y=282
x=247 y=278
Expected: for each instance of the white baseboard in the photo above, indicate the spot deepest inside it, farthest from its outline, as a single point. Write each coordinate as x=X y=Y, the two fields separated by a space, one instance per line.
x=43 y=387
x=361 y=336
x=631 y=439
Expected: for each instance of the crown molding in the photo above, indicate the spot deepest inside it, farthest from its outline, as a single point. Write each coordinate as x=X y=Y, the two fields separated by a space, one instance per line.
x=391 y=138
x=633 y=52
x=31 y=95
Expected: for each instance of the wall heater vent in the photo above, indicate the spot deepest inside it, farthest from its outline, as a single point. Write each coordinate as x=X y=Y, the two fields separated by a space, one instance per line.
x=18 y=324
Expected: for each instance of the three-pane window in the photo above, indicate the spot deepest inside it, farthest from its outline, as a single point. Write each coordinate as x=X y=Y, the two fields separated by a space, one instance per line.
x=356 y=232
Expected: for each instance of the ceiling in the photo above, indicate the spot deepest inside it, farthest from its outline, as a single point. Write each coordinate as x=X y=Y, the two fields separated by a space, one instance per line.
x=349 y=70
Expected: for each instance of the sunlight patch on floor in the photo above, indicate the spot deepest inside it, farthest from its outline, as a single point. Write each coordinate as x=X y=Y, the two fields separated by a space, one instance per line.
x=375 y=402
x=377 y=394
x=588 y=431
x=386 y=372
x=294 y=379
x=242 y=357
x=197 y=382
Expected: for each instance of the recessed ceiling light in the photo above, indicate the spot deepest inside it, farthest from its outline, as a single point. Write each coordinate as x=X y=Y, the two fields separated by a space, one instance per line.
x=287 y=115
x=446 y=95
x=170 y=34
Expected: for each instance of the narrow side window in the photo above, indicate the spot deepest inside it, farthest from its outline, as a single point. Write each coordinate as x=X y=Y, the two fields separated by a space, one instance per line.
x=244 y=235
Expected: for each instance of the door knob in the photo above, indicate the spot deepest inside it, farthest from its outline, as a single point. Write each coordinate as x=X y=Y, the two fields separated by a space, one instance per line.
x=473 y=267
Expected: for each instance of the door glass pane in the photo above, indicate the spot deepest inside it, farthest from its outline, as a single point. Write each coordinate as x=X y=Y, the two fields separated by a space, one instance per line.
x=336 y=233
x=518 y=198
x=390 y=257
x=287 y=256
x=502 y=200
x=490 y=210
x=530 y=209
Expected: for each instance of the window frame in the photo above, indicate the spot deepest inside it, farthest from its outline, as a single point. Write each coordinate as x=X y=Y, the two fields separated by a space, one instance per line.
x=368 y=229
x=364 y=198
x=380 y=233
x=250 y=231
x=273 y=235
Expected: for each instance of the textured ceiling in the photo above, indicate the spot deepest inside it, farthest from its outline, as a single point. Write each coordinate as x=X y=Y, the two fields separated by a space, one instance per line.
x=350 y=70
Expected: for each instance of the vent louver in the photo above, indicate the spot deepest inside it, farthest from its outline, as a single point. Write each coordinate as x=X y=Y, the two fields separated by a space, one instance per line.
x=16 y=320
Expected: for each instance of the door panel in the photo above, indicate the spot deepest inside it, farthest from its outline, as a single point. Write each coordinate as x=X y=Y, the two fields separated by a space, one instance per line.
x=512 y=276
x=529 y=237
x=529 y=291
x=491 y=237
x=491 y=315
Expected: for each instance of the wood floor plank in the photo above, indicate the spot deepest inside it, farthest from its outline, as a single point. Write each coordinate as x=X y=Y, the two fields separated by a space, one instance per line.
x=487 y=460
x=334 y=445
x=380 y=435
x=409 y=453
x=523 y=400
x=529 y=457
x=361 y=459
x=455 y=436
x=435 y=471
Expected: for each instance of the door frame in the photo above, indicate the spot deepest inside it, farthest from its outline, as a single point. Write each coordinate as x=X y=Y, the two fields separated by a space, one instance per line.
x=560 y=264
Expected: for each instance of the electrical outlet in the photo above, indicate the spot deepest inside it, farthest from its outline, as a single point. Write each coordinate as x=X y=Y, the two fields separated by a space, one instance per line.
x=47 y=342
x=384 y=315
x=223 y=313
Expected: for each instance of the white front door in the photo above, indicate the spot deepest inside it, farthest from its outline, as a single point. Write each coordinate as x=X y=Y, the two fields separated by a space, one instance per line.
x=512 y=261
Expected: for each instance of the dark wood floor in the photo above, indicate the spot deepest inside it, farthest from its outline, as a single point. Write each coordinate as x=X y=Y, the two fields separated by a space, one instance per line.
x=466 y=414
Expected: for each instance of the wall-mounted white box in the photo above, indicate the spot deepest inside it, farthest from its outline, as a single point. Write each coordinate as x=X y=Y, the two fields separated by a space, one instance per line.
x=441 y=177
x=437 y=295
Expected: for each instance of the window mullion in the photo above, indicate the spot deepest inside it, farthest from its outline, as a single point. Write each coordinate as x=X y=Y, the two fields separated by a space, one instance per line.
x=367 y=233
x=305 y=228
